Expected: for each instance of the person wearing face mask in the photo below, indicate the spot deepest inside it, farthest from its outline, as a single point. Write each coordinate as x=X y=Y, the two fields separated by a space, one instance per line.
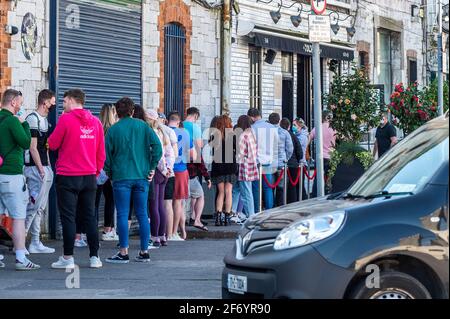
x=385 y=136
x=38 y=171
x=15 y=137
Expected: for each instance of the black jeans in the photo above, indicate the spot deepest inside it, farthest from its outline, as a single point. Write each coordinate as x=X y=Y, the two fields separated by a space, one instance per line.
x=107 y=191
x=76 y=197
x=326 y=168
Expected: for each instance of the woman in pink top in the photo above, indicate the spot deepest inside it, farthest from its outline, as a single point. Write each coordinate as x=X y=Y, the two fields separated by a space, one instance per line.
x=329 y=142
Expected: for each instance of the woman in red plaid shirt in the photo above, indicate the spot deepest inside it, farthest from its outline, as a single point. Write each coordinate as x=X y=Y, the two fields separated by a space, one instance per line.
x=248 y=167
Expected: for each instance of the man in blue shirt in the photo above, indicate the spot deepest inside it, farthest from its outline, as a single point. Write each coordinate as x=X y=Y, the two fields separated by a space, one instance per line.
x=194 y=130
x=267 y=140
x=186 y=152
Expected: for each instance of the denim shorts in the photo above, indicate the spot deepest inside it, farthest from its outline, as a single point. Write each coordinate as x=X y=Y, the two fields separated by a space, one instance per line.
x=195 y=188
x=14 y=196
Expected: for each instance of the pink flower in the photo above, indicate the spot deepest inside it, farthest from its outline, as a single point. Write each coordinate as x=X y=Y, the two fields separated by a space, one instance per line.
x=353 y=117
x=333 y=107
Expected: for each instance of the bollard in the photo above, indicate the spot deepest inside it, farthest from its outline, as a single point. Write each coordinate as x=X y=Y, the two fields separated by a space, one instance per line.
x=285 y=185
x=307 y=191
x=300 y=183
x=260 y=188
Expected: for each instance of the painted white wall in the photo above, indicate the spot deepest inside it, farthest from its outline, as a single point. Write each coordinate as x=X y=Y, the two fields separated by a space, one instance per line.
x=30 y=76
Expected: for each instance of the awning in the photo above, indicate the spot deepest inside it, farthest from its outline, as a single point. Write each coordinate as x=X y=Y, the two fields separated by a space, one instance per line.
x=291 y=44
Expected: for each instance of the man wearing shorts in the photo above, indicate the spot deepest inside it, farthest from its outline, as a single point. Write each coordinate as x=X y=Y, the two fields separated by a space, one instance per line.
x=168 y=194
x=15 y=137
x=181 y=187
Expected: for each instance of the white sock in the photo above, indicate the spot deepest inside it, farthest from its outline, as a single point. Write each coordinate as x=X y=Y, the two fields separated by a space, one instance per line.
x=20 y=255
x=35 y=241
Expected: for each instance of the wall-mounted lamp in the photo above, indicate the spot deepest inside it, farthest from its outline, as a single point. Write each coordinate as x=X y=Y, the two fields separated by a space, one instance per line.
x=335 y=28
x=11 y=30
x=296 y=20
x=351 y=31
x=276 y=15
x=415 y=10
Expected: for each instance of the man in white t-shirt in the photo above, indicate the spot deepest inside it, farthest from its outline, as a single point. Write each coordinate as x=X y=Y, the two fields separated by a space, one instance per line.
x=38 y=170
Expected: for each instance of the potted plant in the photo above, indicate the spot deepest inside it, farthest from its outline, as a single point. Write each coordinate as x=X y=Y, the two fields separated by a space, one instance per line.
x=354 y=105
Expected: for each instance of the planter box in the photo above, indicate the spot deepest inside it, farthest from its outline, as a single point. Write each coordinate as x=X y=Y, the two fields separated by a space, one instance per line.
x=346 y=175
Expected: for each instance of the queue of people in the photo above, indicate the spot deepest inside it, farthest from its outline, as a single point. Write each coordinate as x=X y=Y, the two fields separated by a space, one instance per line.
x=139 y=161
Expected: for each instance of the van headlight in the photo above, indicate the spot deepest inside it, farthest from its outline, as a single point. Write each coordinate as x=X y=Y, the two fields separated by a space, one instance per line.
x=309 y=230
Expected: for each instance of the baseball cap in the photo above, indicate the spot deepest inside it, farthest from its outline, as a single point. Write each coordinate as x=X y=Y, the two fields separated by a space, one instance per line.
x=162 y=116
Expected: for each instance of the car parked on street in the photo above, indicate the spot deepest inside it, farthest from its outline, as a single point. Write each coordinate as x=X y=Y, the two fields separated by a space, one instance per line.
x=386 y=237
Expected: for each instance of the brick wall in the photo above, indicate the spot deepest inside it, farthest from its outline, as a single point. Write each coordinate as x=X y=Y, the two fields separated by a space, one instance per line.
x=175 y=11
x=5 y=44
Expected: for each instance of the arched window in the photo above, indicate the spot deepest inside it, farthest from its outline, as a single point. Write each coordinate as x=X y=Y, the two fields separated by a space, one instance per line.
x=174 y=43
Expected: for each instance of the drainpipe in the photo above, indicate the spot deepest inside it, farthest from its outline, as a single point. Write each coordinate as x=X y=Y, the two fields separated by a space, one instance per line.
x=226 y=58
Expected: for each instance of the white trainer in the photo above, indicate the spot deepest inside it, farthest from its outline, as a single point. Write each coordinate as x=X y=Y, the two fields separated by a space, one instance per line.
x=64 y=263
x=1 y=257
x=110 y=236
x=80 y=243
x=95 y=262
x=26 y=265
x=176 y=237
x=40 y=249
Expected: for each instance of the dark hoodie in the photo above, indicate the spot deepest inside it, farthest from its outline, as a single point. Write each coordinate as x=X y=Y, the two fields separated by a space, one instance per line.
x=79 y=140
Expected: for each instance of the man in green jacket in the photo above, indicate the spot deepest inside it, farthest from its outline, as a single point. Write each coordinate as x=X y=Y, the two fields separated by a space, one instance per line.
x=15 y=137
x=133 y=151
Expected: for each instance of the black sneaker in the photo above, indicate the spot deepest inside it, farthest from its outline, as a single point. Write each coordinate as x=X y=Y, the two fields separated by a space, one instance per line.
x=157 y=244
x=142 y=258
x=118 y=259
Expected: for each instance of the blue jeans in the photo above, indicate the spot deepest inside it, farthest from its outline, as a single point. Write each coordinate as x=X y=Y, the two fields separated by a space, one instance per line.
x=123 y=192
x=243 y=190
x=267 y=193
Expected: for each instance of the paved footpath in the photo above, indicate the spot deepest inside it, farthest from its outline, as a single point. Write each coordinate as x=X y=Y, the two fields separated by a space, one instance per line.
x=190 y=269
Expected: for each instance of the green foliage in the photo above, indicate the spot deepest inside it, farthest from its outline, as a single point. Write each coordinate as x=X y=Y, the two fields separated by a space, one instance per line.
x=354 y=105
x=346 y=153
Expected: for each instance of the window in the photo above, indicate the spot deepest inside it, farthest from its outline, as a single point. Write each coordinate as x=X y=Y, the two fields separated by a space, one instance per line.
x=406 y=167
x=287 y=64
x=254 y=54
x=174 y=68
x=384 y=63
x=412 y=70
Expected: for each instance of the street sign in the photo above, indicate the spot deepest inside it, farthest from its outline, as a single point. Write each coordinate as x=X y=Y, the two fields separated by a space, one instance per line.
x=319 y=6
x=319 y=28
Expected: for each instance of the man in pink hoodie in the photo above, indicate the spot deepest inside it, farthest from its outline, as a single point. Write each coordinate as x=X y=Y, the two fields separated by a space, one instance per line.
x=79 y=140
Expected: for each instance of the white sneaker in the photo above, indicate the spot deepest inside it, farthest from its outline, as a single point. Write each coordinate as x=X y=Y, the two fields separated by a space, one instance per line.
x=95 y=262
x=1 y=257
x=64 y=263
x=110 y=236
x=26 y=265
x=176 y=237
x=40 y=249
x=80 y=243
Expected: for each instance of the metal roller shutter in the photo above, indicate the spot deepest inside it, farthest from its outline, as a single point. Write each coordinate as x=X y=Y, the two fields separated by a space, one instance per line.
x=103 y=55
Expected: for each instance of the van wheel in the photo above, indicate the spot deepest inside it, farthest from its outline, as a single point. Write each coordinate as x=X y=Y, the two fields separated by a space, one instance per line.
x=393 y=285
